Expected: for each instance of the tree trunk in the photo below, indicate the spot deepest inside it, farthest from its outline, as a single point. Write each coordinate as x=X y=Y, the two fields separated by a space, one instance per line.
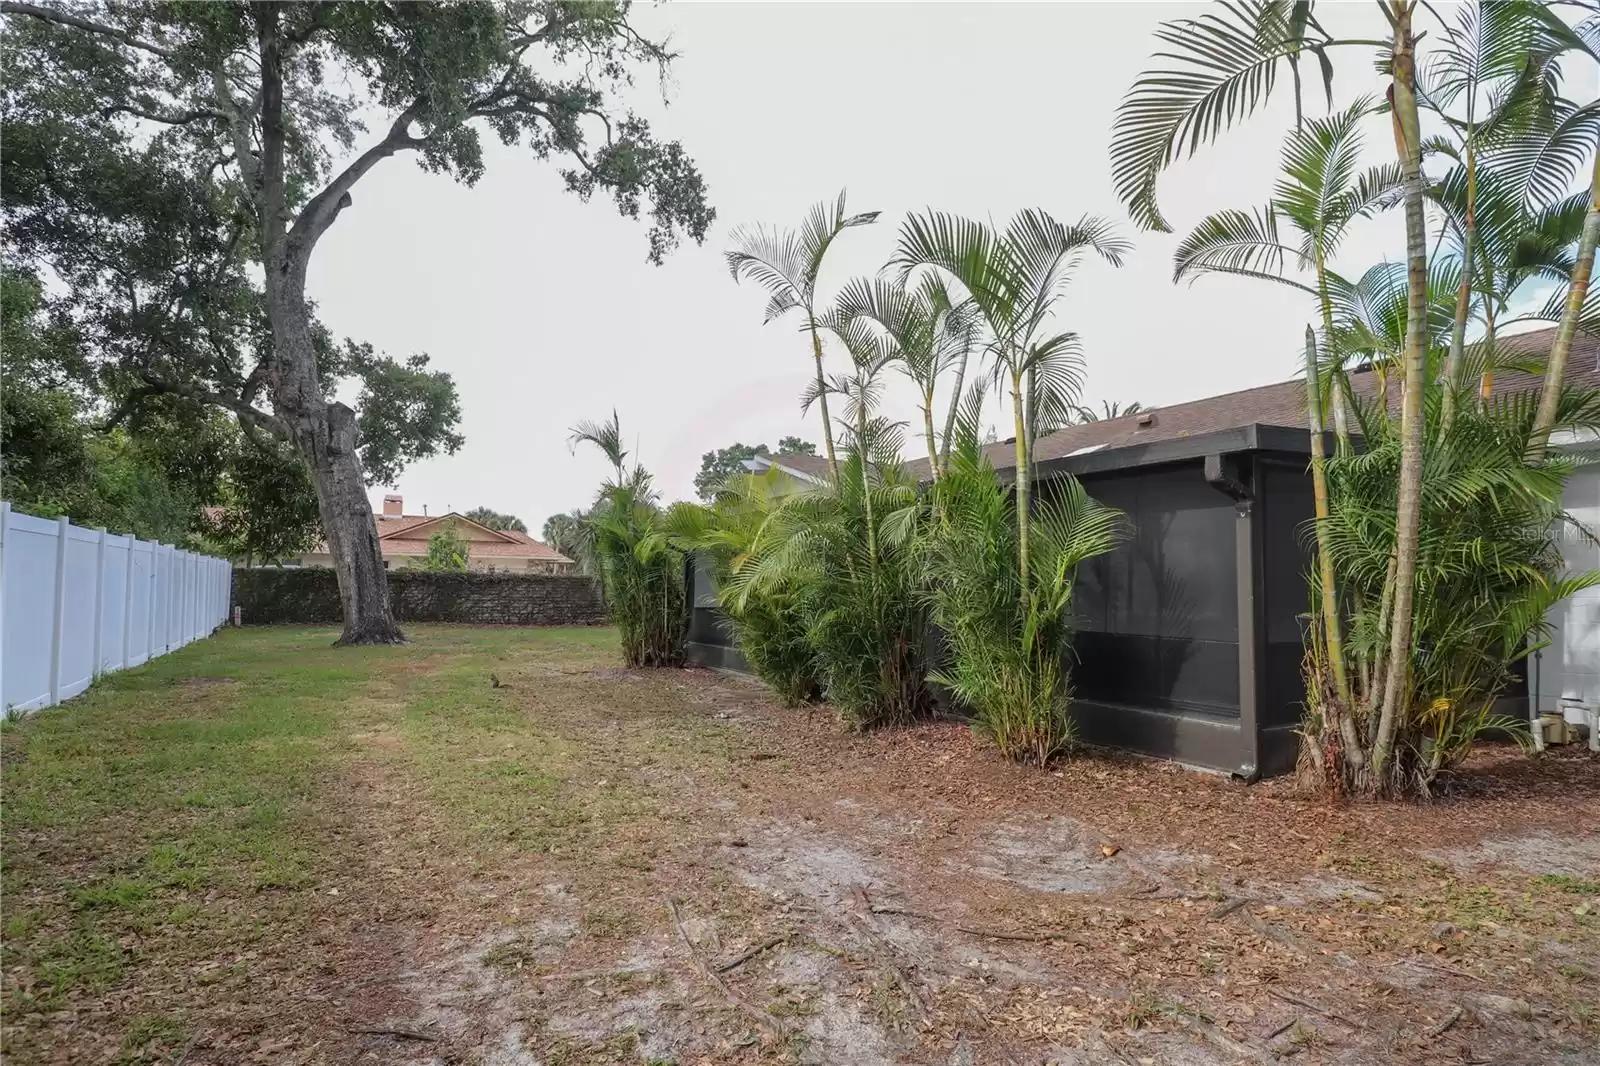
x=822 y=398
x=1486 y=383
x=955 y=405
x=1336 y=389
x=1332 y=629
x=1555 y=370
x=866 y=485
x=323 y=433
x=325 y=436
x=1024 y=486
x=1458 y=333
x=927 y=428
x=1408 y=141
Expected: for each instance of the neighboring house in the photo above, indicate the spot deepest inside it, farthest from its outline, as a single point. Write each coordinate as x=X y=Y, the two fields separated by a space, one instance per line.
x=404 y=541
x=1187 y=637
x=797 y=472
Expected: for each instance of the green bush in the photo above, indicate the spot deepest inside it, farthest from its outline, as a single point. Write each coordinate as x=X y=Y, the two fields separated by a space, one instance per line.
x=1489 y=569
x=1007 y=639
x=766 y=623
x=851 y=555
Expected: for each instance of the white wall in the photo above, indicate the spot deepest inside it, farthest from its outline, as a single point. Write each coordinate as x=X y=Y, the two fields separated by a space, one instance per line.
x=76 y=603
x=1570 y=666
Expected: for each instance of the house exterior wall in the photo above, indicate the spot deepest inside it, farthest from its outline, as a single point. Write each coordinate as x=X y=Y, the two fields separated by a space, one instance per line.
x=1570 y=666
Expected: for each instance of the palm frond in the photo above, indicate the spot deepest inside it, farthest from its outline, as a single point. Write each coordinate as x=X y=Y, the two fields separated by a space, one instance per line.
x=1225 y=66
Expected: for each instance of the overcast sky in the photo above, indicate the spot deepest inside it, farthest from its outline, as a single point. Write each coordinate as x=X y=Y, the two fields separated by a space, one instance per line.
x=546 y=312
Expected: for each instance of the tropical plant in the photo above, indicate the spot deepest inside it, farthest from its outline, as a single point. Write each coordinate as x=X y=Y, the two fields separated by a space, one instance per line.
x=641 y=571
x=1225 y=66
x=786 y=263
x=927 y=330
x=727 y=535
x=1489 y=569
x=851 y=554
x=447 y=550
x=1015 y=278
x=569 y=534
x=1008 y=636
x=1108 y=409
x=1575 y=132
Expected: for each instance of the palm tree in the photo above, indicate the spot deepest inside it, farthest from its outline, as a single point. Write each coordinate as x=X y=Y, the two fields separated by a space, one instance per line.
x=1227 y=65
x=1483 y=80
x=1109 y=409
x=786 y=263
x=928 y=330
x=607 y=436
x=1320 y=194
x=641 y=571
x=1015 y=279
x=1560 y=40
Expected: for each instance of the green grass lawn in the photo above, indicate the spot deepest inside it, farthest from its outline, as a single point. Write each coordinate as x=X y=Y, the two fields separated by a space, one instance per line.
x=174 y=815
x=261 y=848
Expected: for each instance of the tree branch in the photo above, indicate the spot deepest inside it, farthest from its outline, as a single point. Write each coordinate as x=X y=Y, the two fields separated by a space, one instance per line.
x=255 y=417
x=66 y=18
x=181 y=118
x=320 y=211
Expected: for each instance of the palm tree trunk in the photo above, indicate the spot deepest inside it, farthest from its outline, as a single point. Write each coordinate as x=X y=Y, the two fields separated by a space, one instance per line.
x=1555 y=370
x=866 y=484
x=822 y=397
x=1337 y=397
x=1024 y=481
x=955 y=405
x=927 y=428
x=1458 y=334
x=1408 y=142
x=1486 y=383
x=1330 y=599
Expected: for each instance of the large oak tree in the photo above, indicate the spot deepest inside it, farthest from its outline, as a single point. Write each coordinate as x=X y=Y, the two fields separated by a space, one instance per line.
x=243 y=122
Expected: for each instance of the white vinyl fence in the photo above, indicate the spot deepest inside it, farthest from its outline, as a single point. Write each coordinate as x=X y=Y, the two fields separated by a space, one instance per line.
x=77 y=603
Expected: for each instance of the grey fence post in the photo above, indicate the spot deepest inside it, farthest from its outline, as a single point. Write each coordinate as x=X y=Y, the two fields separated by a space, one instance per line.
x=5 y=522
x=95 y=667
x=127 y=600
x=59 y=630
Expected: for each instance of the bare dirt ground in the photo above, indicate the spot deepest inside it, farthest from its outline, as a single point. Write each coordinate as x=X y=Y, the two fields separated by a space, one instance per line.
x=587 y=865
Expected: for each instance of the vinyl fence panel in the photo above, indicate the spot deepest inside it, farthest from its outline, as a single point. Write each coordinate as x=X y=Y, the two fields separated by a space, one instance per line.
x=77 y=603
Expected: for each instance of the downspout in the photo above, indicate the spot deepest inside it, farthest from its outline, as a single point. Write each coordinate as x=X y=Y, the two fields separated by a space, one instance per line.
x=1225 y=474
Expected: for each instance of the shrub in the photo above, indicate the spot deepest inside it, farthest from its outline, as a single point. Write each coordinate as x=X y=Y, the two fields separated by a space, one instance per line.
x=1489 y=569
x=766 y=623
x=1008 y=638
x=641 y=572
x=851 y=555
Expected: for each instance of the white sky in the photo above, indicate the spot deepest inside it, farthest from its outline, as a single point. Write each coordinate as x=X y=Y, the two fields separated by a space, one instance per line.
x=546 y=312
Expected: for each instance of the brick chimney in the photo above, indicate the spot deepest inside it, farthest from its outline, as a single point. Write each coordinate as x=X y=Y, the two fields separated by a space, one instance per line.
x=393 y=505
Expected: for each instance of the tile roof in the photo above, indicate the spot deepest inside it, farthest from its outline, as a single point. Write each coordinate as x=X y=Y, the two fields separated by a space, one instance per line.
x=1281 y=404
x=515 y=545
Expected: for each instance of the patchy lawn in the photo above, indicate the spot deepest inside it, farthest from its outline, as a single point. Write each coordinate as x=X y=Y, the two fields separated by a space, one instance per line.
x=261 y=849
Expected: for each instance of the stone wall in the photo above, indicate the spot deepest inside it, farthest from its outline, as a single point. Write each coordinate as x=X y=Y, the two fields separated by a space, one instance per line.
x=310 y=596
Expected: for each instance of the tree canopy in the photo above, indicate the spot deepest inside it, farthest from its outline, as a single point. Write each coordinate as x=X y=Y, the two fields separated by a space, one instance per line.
x=484 y=516
x=158 y=153
x=718 y=466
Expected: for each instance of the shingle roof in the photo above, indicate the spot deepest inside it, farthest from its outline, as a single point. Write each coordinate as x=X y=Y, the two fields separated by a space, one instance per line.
x=809 y=466
x=1281 y=404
